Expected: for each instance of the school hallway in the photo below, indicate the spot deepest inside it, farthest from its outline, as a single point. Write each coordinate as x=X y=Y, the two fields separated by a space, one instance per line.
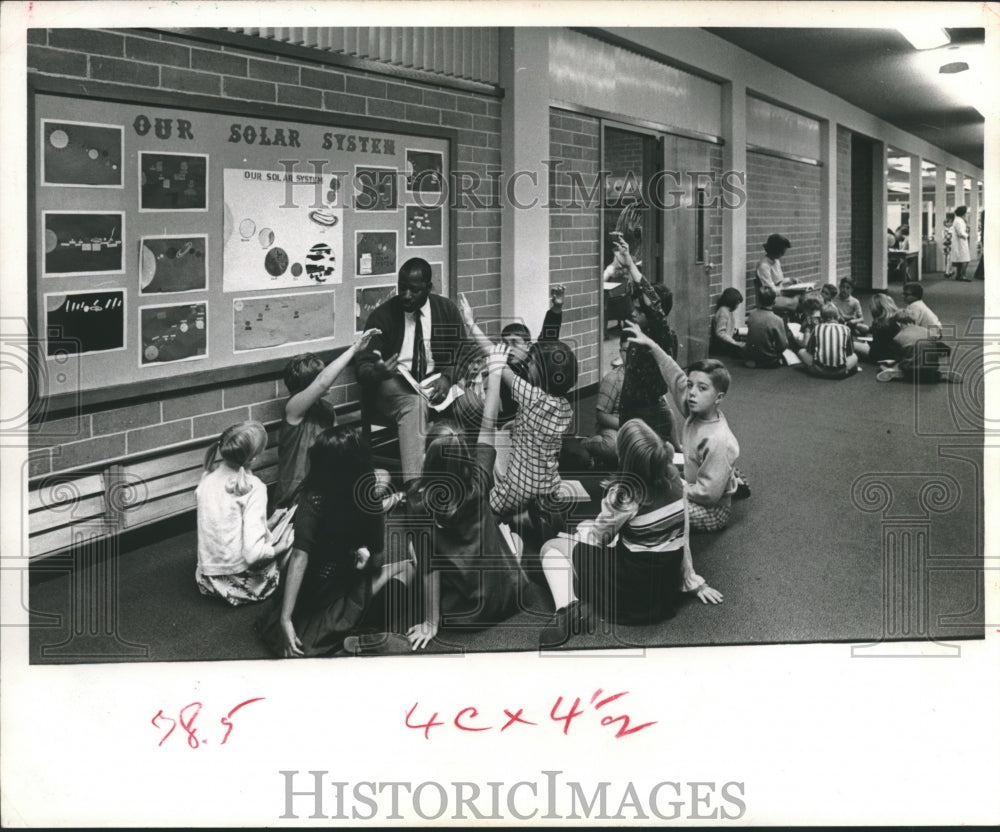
x=866 y=500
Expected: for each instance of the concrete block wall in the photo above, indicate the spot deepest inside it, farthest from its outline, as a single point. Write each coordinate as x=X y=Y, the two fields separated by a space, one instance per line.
x=149 y=60
x=783 y=197
x=574 y=235
x=843 y=203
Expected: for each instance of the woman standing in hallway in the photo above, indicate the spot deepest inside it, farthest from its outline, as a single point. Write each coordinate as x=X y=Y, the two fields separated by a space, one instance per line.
x=960 y=244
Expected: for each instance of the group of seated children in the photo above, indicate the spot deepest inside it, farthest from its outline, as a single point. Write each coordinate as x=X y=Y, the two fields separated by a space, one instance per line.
x=438 y=553
x=828 y=335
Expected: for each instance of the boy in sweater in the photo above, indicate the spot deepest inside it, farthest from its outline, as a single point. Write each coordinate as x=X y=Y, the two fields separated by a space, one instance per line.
x=710 y=449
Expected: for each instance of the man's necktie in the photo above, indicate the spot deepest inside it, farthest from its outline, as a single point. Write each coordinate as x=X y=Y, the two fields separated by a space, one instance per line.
x=419 y=363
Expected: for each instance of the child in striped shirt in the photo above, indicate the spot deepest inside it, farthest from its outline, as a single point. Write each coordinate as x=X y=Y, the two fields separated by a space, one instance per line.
x=631 y=563
x=830 y=350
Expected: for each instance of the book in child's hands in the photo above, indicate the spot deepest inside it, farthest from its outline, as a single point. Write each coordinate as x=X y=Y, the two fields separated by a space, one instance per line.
x=679 y=459
x=423 y=386
x=791 y=359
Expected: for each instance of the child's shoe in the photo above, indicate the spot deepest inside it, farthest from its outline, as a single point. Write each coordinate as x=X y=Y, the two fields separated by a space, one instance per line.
x=571 y=620
x=889 y=373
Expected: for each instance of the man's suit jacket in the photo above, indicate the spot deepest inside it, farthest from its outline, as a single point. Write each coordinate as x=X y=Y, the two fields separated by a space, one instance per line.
x=448 y=340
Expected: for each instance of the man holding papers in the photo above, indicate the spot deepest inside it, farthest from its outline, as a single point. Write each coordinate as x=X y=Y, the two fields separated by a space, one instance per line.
x=422 y=338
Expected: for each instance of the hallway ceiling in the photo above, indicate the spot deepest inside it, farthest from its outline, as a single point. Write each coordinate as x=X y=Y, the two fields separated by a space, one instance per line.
x=879 y=71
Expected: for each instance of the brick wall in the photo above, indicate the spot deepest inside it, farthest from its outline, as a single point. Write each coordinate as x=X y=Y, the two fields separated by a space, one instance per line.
x=574 y=235
x=161 y=61
x=713 y=236
x=783 y=197
x=843 y=203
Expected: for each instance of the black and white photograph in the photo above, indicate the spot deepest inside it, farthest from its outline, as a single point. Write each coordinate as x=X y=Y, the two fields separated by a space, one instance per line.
x=82 y=155
x=376 y=189
x=647 y=482
x=423 y=226
x=374 y=253
x=84 y=322
x=367 y=299
x=424 y=171
x=173 y=264
x=80 y=243
x=169 y=333
x=173 y=181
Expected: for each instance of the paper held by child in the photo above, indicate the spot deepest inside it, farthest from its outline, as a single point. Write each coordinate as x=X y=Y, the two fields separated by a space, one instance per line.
x=572 y=490
x=286 y=517
x=791 y=359
x=422 y=388
x=795 y=329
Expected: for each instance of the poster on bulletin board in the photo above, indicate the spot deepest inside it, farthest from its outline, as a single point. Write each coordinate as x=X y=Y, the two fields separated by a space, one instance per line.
x=199 y=239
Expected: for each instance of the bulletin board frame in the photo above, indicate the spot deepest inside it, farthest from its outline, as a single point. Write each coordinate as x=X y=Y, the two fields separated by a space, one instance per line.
x=194 y=375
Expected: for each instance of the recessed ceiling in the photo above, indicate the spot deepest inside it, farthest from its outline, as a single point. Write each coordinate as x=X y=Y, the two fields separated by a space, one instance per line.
x=879 y=71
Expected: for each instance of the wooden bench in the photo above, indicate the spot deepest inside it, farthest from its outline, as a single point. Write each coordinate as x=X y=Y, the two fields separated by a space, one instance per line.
x=76 y=505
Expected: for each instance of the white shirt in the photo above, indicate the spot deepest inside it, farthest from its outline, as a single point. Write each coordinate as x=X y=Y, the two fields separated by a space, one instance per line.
x=232 y=531
x=960 y=241
x=769 y=272
x=409 y=326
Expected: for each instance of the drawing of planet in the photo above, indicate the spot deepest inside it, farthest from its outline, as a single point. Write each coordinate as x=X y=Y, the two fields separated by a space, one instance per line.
x=320 y=251
x=276 y=262
x=266 y=238
x=93 y=153
x=51 y=240
x=147 y=267
x=296 y=269
x=247 y=228
x=151 y=353
x=59 y=139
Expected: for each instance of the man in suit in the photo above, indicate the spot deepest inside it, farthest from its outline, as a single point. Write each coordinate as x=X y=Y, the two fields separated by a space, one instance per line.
x=424 y=333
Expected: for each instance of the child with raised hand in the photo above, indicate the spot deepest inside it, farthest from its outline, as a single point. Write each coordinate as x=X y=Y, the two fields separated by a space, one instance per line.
x=469 y=576
x=543 y=417
x=642 y=386
x=710 y=449
x=639 y=580
x=307 y=413
x=829 y=352
x=236 y=550
x=516 y=336
x=335 y=568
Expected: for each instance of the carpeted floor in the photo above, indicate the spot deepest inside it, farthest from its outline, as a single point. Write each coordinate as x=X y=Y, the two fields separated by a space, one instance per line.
x=865 y=523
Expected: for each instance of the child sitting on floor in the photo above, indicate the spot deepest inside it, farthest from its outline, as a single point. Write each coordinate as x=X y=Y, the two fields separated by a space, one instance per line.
x=849 y=308
x=766 y=335
x=913 y=294
x=470 y=576
x=532 y=468
x=307 y=413
x=722 y=340
x=829 y=352
x=639 y=580
x=920 y=355
x=710 y=449
x=236 y=550
x=336 y=569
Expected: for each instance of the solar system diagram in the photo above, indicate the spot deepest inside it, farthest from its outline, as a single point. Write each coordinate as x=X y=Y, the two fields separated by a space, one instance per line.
x=81 y=154
x=281 y=230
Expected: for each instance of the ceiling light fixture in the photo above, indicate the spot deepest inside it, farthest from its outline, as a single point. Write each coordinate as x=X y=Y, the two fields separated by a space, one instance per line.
x=925 y=37
x=953 y=67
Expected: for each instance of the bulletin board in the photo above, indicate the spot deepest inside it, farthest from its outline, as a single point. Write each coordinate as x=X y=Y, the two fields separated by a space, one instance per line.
x=182 y=245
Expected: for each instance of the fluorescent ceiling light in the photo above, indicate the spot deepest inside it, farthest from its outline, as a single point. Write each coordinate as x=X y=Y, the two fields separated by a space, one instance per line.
x=925 y=37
